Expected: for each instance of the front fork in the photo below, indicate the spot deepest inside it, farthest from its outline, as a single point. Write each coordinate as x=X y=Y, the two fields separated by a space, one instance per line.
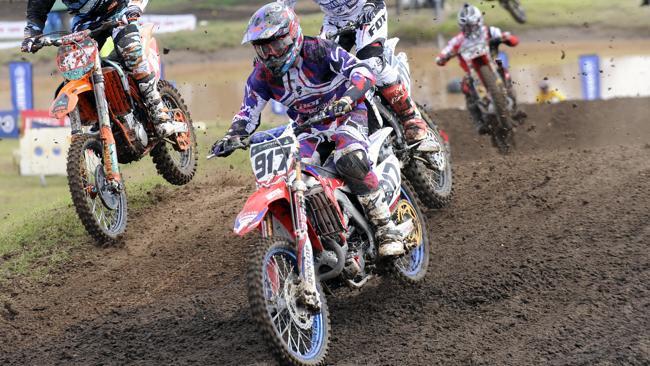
x=311 y=297
x=109 y=154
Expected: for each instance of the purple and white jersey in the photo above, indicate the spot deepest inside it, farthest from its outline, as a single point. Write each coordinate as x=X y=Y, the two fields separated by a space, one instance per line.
x=336 y=10
x=323 y=73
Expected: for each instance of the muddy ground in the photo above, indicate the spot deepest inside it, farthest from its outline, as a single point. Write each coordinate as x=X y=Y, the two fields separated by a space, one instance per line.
x=542 y=259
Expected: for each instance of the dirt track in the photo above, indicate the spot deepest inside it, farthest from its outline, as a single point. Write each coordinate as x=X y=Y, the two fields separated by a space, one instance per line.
x=542 y=259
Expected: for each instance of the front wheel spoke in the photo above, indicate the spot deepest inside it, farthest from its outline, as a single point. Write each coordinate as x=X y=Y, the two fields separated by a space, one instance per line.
x=101 y=216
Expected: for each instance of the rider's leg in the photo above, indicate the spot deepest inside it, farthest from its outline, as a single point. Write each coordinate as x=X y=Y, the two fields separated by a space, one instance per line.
x=128 y=45
x=352 y=163
x=472 y=107
x=370 y=48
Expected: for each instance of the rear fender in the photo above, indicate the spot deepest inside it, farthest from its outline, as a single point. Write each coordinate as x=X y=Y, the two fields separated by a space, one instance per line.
x=68 y=96
x=150 y=48
x=257 y=205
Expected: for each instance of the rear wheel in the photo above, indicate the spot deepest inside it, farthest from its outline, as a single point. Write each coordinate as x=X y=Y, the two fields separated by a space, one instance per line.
x=102 y=208
x=296 y=336
x=176 y=161
x=501 y=127
x=432 y=181
x=412 y=267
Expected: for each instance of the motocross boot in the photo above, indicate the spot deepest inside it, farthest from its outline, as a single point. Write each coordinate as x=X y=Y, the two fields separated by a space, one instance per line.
x=157 y=110
x=390 y=240
x=415 y=129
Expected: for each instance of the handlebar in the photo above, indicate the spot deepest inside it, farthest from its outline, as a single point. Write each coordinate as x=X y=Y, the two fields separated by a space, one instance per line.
x=314 y=119
x=351 y=27
x=47 y=41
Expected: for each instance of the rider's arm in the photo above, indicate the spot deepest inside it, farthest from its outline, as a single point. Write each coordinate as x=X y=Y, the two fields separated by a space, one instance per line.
x=450 y=50
x=37 y=11
x=498 y=36
x=360 y=76
x=256 y=95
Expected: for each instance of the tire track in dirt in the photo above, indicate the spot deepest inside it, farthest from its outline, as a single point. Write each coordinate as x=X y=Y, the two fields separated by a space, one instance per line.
x=541 y=259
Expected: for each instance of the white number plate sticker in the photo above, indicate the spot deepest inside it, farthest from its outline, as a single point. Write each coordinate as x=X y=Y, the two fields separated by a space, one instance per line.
x=270 y=159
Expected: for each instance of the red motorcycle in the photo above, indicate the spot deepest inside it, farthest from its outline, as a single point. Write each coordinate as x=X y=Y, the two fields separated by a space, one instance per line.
x=316 y=238
x=490 y=98
x=111 y=126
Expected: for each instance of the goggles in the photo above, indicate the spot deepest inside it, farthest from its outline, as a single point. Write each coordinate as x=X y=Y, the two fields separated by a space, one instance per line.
x=471 y=29
x=273 y=48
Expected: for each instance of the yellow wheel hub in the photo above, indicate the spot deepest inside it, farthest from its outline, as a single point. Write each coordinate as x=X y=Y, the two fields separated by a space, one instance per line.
x=403 y=212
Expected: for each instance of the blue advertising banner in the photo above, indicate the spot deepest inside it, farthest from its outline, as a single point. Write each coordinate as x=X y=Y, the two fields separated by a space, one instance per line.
x=22 y=85
x=9 y=128
x=505 y=61
x=590 y=76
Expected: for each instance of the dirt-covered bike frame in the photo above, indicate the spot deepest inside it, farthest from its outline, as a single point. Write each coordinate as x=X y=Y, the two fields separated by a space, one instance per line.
x=110 y=125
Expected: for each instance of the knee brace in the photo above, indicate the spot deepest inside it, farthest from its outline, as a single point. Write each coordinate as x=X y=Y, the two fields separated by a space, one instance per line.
x=354 y=168
x=129 y=47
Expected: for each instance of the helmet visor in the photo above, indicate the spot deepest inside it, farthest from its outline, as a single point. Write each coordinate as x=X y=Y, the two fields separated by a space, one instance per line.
x=273 y=48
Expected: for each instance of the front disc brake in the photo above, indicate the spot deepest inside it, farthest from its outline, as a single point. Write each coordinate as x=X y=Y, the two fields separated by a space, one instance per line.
x=109 y=195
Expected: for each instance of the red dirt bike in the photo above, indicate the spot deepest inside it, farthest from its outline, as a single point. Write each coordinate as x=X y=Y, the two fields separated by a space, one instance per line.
x=316 y=238
x=111 y=126
x=490 y=98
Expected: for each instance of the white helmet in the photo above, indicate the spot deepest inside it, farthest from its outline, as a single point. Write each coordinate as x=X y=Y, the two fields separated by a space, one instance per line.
x=470 y=20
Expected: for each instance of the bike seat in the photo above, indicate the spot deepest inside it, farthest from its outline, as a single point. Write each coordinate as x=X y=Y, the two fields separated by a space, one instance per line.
x=321 y=171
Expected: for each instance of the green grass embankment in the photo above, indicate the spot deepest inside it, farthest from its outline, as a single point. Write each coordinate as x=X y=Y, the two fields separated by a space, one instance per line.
x=39 y=227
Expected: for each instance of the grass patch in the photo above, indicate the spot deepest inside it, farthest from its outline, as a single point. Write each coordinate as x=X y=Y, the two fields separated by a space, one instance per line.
x=40 y=228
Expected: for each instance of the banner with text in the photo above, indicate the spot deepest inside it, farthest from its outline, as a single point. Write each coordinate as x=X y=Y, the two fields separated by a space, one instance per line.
x=12 y=30
x=22 y=85
x=590 y=76
x=9 y=128
x=40 y=119
x=170 y=23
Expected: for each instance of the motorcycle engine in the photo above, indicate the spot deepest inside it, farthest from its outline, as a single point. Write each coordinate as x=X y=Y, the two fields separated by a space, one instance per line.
x=141 y=140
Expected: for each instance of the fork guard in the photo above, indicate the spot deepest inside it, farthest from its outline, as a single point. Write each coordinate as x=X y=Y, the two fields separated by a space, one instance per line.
x=68 y=97
x=257 y=205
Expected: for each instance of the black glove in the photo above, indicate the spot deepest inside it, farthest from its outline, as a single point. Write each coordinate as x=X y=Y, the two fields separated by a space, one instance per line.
x=226 y=146
x=130 y=14
x=368 y=13
x=31 y=43
x=340 y=107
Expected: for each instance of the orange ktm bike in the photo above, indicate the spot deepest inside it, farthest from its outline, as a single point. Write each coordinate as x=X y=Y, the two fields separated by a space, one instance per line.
x=111 y=126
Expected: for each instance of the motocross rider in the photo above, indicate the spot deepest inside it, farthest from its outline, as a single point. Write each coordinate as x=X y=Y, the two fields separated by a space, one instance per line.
x=370 y=48
x=90 y=14
x=470 y=21
x=306 y=74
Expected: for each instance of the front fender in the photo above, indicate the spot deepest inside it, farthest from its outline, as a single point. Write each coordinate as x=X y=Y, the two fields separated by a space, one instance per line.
x=68 y=96
x=257 y=206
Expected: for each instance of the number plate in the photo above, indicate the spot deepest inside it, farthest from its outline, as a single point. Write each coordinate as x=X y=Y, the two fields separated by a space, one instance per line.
x=474 y=50
x=75 y=59
x=271 y=159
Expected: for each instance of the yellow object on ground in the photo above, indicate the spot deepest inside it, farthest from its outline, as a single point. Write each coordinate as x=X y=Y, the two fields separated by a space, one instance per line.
x=550 y=97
